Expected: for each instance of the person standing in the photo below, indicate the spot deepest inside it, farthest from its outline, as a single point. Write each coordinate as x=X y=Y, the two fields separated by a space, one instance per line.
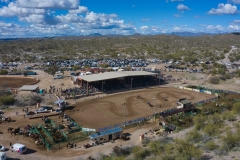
x=75 y=145
x=10 y=144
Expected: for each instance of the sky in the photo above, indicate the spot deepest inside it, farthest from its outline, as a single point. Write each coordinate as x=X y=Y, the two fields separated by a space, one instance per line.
x=47 y=18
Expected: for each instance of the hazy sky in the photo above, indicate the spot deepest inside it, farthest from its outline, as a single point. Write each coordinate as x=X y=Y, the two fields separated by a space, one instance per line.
x=30 y=18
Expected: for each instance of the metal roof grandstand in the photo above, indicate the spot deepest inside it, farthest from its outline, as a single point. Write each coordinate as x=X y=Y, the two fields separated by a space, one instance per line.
x=113 y=75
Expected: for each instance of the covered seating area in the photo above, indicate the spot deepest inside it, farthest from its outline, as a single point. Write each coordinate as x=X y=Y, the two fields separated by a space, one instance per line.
x=110 y=81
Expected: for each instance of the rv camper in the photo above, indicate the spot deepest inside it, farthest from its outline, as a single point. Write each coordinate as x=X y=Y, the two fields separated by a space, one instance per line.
x=101 y=137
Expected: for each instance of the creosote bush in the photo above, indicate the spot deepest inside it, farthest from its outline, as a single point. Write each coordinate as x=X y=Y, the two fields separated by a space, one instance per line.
x=210 y=145
x=7 y=100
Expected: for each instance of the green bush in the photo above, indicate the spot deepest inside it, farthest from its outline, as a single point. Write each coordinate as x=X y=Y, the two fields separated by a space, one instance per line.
x=140 y=153
x=199 y=122
x=3 y=72
x=212 y=129
x=187 y=151
x=210 y=145
x=229 y=116
x=194 y=136
x=7 y=100
x=236 y=108
x=231 y=140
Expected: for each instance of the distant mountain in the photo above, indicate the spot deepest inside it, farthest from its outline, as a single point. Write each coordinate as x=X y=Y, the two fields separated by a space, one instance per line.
x=190 y=34
x=236 y=33
x=95 y=34
x=136 y=34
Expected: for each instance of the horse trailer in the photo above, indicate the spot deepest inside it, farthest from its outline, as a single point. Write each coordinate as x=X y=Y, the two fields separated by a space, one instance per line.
x=101 y=137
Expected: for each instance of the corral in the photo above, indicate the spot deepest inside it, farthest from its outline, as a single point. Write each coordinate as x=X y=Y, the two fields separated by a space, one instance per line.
x=110 y=110
x=17 y=82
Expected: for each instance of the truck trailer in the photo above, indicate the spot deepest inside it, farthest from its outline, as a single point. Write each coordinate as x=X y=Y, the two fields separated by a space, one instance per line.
x=106 y=136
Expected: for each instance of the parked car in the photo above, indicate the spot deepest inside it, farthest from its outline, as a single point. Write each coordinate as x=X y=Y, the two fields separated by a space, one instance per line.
x=2 y=148
x=20 y=148
x=58 y=77
x=43 y=109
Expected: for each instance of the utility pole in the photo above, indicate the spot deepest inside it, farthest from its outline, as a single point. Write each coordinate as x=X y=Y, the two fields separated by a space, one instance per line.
x=102 y=86
x=131 y=82
x=124 y=105
x=154 y=105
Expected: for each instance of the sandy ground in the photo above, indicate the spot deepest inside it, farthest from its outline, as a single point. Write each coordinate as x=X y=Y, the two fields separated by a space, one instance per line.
x=102 y=108
x=16 y=81
x=109 y=105
x=96 y=113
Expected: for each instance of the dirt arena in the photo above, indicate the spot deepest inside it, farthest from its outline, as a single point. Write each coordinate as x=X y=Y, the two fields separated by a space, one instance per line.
x=109 y=110
x=17 y=82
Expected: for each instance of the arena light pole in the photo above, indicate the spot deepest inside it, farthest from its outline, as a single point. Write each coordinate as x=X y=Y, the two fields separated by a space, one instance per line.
x=124 y=105
x=102 y=86
x=131 y=83
x=154 y=105
x=159 y=80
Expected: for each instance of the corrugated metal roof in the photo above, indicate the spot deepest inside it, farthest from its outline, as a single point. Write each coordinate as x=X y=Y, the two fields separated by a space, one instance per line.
x=112 y=75
x=110 y=131
x=185 y=102
x=28 y=87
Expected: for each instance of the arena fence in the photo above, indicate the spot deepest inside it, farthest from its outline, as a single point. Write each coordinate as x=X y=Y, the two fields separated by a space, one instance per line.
x=72 y=136
x=142 y=120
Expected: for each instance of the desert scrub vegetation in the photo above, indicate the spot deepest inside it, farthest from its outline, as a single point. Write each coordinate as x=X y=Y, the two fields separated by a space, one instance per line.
x=190 y=49
x=216 y=131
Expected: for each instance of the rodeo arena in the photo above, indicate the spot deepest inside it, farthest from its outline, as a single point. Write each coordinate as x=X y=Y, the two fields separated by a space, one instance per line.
x=119 y=100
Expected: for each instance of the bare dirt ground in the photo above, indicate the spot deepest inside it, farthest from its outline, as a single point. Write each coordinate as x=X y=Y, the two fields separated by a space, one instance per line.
x=200 y=79
x=45 y=80
x=17 y=82
x=107 y=111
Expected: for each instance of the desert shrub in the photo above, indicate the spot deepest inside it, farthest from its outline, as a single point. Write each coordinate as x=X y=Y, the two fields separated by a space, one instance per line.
x=20 y=102
x=104 y=157
x=186 y=150
x=7 y=100
x=199 y=122
x=35 y=99
x=194 y=136
x=145 y=142
x=117 y=151
x=206 y=138
x=231 y=140
x=168 y=157
x=212 y=129
x=214 y=80
x=215 y=119
x=229 y=116
x=160 y=147
x=3 y=72
x=236 y=108
x=210 y=145
x=140 y=153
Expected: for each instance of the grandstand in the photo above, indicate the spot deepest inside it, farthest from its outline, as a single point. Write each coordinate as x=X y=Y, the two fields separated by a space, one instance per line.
x=109 y=81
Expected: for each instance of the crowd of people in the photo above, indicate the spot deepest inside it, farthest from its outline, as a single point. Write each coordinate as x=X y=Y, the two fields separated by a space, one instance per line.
x=144 y=81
